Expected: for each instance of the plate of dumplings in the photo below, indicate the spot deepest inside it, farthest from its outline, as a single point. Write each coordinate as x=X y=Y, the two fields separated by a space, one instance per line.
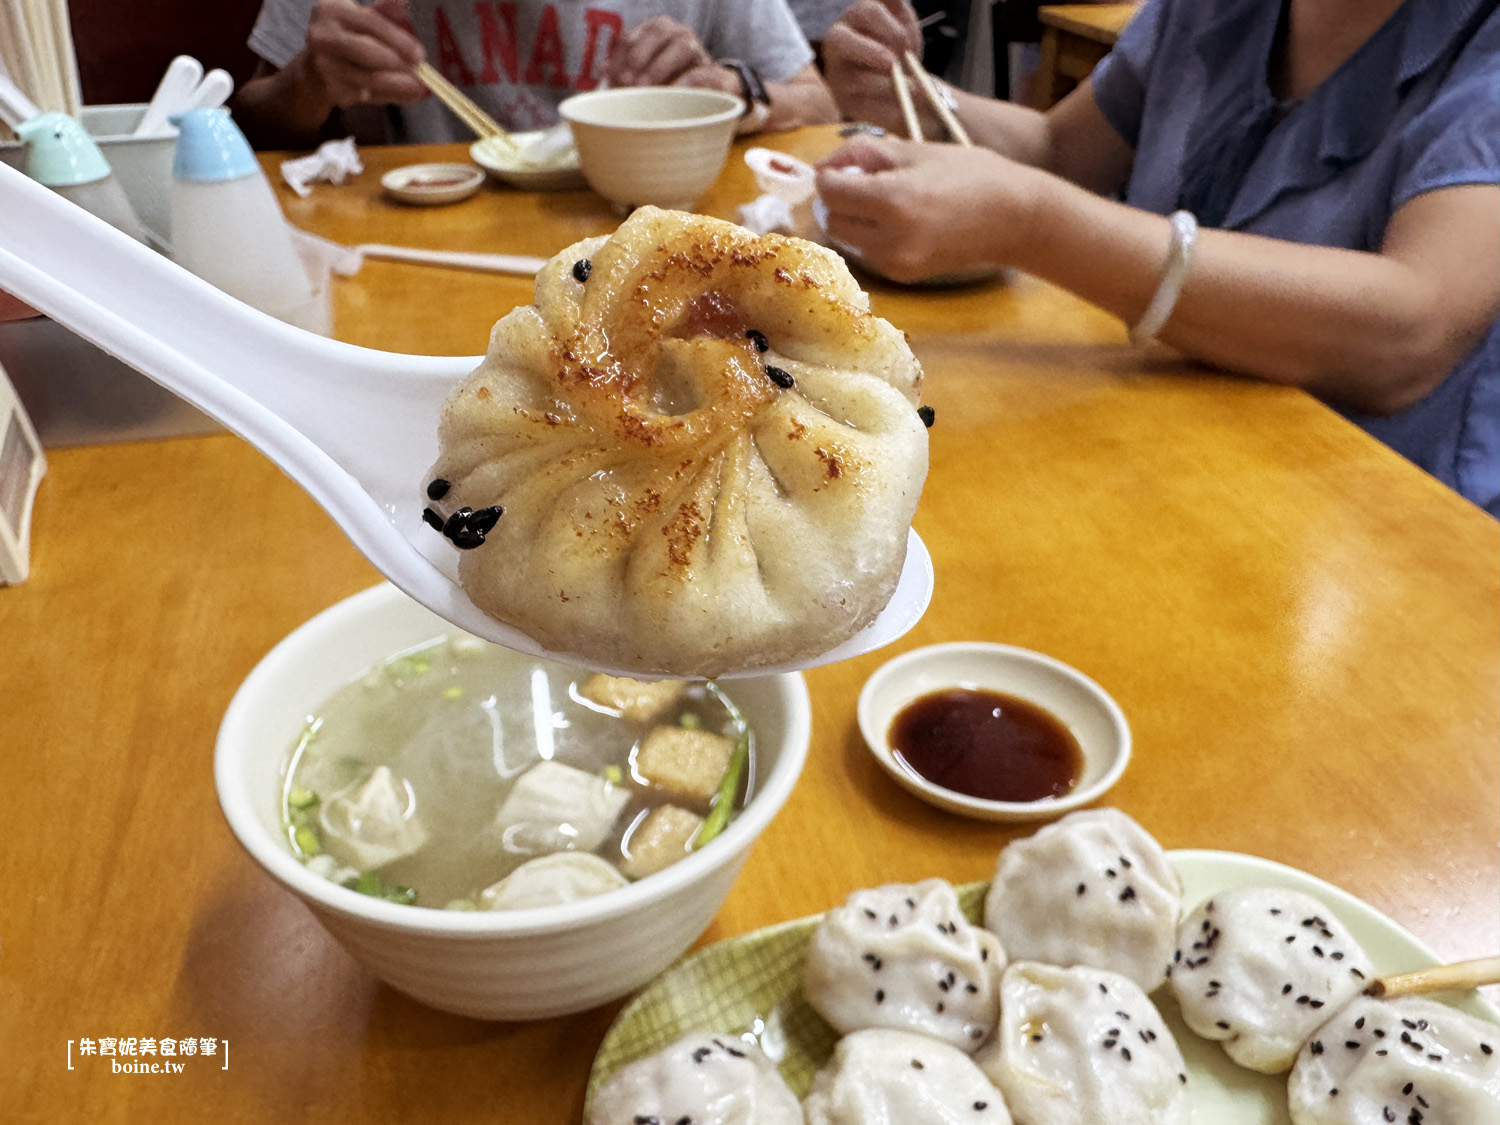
x=1096 y=978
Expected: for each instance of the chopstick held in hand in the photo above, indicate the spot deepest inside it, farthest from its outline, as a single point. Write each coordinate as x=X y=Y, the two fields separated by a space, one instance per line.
x=950 y=122
x=481 y=123
x=903 y=96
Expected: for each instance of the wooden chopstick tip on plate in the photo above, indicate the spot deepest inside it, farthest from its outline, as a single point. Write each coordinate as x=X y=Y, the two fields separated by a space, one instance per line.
x=1440 y=978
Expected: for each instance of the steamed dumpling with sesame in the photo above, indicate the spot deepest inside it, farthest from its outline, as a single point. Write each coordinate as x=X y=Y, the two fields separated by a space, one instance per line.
x=1094 y=888
x=1081 y=1046
x=885 y=1077
x=1260 y=968
x=703 y=1079
x=697 y=451
x=904 y=956
x=1407 y=1060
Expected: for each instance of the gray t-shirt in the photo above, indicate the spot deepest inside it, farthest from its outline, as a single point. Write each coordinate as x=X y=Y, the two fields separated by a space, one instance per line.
x=519 y=59
x=817 y=16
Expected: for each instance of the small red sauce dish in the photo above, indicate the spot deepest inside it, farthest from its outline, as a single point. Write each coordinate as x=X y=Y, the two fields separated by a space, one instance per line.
x=428 y=185
x=994 y=732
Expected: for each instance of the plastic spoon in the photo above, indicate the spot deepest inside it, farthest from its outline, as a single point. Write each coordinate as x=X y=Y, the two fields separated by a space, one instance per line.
x=15 y=107
x=212 y=92
x=172 y=93
x=346 y=261
x=354 y=427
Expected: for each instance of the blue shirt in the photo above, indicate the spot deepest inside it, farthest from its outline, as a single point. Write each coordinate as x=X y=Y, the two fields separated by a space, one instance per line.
x=1415 y=109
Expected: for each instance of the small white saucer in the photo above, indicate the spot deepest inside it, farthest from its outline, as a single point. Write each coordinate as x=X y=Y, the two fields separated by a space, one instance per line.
x=1085 y=708
x=432 y=184
x=558 y=171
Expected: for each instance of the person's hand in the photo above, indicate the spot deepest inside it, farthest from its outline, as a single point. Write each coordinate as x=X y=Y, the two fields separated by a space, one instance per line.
x=364 y=54
x=12 y=309
x=858 y=53
x=914 y=211
x=663 y=52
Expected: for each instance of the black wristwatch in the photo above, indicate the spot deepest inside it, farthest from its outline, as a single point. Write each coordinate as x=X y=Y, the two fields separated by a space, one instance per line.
x=753 y=90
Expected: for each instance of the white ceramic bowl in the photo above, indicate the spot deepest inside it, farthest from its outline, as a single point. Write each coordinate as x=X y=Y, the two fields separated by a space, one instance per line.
x=518 y=964
x=1085 y=708
x=663 y=145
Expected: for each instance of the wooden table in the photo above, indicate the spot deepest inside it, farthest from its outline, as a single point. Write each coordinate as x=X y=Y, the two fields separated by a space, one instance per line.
x=1074 y=38
x=1300 y=626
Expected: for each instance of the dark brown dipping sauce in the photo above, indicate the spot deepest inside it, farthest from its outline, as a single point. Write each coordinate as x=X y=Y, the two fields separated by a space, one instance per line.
x=986 y=744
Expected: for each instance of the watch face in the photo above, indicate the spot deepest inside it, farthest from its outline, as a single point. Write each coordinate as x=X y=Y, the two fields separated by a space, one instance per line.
x=752 y=88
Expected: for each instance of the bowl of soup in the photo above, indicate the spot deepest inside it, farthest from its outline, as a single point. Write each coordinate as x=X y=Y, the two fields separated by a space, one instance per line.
x=492 y=834
x=662 y=145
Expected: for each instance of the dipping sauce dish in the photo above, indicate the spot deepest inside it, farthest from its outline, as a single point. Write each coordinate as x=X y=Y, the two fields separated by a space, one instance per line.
x=992 y=731
x=428 y=185
x=986 y=744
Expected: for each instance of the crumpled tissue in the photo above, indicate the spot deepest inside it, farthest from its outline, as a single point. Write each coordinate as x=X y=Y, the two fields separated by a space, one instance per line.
x=788 y=202
x=333 y=162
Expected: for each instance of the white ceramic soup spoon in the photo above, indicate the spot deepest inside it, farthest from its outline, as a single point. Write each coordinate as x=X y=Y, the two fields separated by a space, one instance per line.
x=356 y=428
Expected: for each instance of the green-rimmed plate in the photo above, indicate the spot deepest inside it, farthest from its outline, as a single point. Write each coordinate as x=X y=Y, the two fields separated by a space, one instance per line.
x=751 y=986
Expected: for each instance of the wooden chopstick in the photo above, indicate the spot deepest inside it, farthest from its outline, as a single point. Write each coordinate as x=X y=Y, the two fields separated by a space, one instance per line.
x=950 y=122
x=465 y=110
x=1441 y=978
x=481 y=123
x=903 y=96
x=449 y=95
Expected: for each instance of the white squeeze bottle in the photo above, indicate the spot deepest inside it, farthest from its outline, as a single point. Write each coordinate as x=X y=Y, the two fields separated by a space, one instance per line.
x=226 y=224
x=64 y=157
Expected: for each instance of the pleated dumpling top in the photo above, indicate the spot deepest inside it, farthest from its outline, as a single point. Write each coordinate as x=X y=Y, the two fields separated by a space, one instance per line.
x=705 y=448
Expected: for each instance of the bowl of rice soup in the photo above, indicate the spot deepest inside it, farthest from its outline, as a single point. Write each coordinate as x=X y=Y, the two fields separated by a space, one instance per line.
x=470 y=956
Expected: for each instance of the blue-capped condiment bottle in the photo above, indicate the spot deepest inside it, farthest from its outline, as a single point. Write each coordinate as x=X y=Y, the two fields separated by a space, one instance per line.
x=226 y=224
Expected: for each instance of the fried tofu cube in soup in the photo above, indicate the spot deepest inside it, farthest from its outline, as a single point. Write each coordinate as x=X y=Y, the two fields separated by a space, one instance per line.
x=636 y=700
x=688 y=764
x=660 y=840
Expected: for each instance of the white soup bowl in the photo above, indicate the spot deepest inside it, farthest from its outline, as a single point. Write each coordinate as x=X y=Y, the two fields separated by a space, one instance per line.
x=510 y=964
x=659 y=145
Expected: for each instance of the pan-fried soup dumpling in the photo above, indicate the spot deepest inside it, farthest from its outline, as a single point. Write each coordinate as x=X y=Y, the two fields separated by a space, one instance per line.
x=1259 y=968
x=702 y=1078
x=1408 y=1059
x=903 y=956
x=1082 y=1046
x=1094 y=888
x=706 y=449
x=886 y=1077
